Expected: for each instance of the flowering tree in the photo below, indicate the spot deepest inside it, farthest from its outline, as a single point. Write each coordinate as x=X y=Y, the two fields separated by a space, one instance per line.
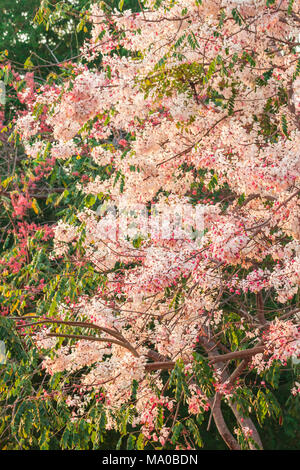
x=188 y=112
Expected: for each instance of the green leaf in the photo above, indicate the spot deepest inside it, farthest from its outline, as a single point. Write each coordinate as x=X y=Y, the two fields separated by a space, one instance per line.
x=237 y=17
x=284 y=126
x=176 y=432
x=130 y=442
x=290 y=7
x=140 y=445
x=195 y=432
x=28 y=63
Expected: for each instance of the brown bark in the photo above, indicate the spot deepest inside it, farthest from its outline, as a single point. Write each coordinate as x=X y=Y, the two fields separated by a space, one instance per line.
x=237 y=355
x=218 y=360
x=226 y=435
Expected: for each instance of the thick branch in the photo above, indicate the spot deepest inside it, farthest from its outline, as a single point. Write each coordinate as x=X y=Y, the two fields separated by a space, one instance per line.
x=260 y=309
x=237 y=354
x=222 y=426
